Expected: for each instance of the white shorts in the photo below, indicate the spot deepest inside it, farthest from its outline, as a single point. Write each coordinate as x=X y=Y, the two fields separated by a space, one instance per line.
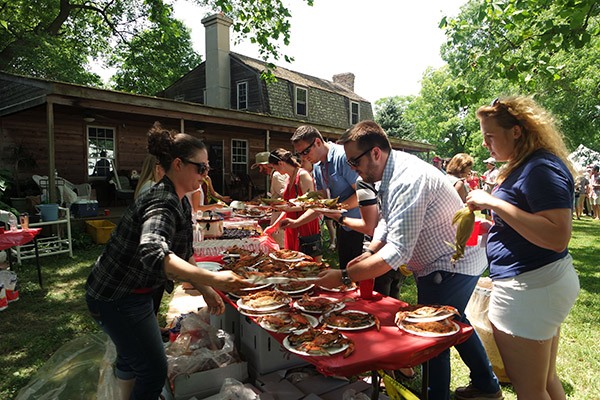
x=534 y=304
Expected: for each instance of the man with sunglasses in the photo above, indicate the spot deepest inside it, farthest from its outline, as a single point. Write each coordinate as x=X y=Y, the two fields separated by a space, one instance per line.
x=417 y=206
x=333 y=178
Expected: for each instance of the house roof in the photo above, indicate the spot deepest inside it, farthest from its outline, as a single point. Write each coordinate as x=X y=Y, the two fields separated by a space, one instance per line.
x=299 y=78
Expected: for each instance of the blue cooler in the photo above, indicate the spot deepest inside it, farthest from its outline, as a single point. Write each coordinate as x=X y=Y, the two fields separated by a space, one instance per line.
x=85 y=208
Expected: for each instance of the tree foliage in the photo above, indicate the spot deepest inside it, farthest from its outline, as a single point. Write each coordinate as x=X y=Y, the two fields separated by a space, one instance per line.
x=389 y=113
x=58 y=39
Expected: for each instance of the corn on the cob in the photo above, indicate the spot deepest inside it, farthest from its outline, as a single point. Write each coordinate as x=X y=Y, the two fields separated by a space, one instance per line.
x=464 y=219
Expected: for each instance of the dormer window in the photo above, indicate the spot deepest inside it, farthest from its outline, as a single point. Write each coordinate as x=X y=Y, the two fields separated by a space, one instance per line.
x=354 y=112
x=301 y=101
x=242 y=95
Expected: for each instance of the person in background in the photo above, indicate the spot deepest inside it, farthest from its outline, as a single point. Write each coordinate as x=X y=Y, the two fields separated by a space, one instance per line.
x=278 y=183
x=199 y=199
x=438 y=163
x=307 y=237
x=152 y=245
x=102 y=167
x=329 y=223
x=473 y=180
x=333 y=178
x=459 y=168
x=152 y=172
x=211 y=195
x=535 y=283
x=417 y=206
x=488 y=181
x=581 y=190
x=595 y=192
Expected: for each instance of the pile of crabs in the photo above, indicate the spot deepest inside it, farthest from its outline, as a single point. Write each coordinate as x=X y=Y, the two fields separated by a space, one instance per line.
x=282 y=301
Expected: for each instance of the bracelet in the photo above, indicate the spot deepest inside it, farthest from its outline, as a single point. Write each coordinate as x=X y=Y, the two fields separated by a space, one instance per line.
x=371 y=252
x=341 y=219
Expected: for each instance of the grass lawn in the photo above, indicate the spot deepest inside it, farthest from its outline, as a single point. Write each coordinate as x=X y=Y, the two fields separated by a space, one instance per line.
x=34 y=327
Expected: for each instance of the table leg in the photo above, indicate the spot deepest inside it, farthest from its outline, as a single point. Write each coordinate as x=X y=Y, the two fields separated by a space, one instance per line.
x=425 y=381
x=375 y=385
x=37 y=261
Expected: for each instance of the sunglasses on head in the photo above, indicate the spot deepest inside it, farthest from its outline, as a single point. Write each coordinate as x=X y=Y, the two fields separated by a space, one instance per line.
x=353 y=162
x=202 y=166
x=306 y=150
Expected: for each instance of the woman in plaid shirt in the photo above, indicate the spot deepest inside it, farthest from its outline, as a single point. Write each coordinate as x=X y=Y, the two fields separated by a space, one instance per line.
x=151 y=246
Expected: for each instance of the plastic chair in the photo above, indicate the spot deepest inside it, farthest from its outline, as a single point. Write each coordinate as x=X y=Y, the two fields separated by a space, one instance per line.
x=123 y=187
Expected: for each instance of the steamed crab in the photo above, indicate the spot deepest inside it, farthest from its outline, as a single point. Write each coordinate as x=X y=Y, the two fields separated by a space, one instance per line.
x=351 y=319
x=319 y=304
x=421 y=312
x=265 y=298
x=321 y=342
x=285 y=322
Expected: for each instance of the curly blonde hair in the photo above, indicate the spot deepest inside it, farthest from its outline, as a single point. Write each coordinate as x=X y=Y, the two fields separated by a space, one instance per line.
x=538 y=127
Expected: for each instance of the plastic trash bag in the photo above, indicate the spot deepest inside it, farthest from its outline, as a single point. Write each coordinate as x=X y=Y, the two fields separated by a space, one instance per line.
x=199 y=347
x=80 y=369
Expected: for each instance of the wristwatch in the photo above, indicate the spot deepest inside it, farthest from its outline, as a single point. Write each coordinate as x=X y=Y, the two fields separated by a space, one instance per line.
x=341 y=219
x=345 y=278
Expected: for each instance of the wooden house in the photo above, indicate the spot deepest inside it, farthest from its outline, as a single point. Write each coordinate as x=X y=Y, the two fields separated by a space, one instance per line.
x=64 y=127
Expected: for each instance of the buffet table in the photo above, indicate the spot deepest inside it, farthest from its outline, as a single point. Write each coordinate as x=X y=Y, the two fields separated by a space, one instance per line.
x=387 y=349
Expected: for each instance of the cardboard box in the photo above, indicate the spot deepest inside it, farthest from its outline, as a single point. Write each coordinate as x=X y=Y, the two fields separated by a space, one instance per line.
x=100 y=230
x=358 y=386
x=320 y=384
x=262 y=351
x=207 y=383
x=85 y=208
x=283 y=390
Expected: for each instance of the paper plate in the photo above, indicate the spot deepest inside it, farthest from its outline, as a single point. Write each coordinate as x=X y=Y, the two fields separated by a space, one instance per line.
x=338 y=306
x=289 y=260
x=351 y=328
x=209 y=265
x=241 y=305
x=329 y=352
x=339 y=289
x=429 y=334
x=298 y=291
x=313 y=321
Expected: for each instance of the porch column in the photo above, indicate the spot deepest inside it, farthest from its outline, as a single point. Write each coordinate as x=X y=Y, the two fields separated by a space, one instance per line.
x=51 y=160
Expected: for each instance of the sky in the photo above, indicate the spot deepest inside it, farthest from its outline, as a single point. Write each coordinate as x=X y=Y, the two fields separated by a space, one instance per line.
x=386 y=44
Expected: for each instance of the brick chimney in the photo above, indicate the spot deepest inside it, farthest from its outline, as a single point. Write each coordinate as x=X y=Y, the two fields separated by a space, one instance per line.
x=218 y=81
x=346 y=79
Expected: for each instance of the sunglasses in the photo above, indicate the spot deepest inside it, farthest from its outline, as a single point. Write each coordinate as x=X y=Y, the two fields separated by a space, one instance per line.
x=202 y=166
x=306 y=150
x=353 y=162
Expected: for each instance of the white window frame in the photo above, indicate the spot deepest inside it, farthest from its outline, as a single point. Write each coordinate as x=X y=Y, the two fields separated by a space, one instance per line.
x=298 y=102
x=352 y=114
x=93 y=154
x=242 y=95
x=239 y=155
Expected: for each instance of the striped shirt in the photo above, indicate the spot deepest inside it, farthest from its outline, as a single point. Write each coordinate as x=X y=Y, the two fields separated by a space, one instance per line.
x=157 y=224
x=418 y=203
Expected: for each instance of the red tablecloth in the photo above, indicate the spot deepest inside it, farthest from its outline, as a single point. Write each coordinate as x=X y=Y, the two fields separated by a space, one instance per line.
x=390 y=348
x=19 y=237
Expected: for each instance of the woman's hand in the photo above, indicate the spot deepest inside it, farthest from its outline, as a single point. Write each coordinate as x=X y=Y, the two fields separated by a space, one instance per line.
x=213 y=301
x=480 y=200
x=286 y=223
x=228 y=281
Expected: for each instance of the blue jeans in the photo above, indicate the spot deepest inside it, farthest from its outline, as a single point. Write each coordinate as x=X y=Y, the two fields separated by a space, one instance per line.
x=132 y=326
x=448 y=288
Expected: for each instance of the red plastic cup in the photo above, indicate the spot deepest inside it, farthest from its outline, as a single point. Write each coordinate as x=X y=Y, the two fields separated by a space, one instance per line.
x=106 y=212
x=472 y=241
x=366 y=288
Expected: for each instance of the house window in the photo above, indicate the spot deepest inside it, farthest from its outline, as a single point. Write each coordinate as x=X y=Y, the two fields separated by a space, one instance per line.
x=239 y=157
x=354 y=112
x=100 y=150
x=242 y=95
x=301 y=101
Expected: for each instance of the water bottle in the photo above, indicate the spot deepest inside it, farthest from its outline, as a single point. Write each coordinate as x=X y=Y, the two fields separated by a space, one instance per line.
x=12 y=221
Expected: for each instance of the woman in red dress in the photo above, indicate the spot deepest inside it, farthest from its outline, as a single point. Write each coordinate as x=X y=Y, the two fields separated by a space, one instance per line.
x=300 y=182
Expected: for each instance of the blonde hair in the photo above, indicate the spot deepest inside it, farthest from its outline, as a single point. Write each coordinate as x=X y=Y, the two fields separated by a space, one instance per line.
x=147 y=174
x=538 y=127
x=459 y=164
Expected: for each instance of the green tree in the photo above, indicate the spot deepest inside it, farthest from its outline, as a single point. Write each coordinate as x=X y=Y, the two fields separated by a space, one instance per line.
x=58 y=39
x=544 y=48
x=389 y=113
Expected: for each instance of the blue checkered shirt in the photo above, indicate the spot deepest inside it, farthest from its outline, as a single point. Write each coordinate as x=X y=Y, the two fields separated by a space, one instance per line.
x=417 y=205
